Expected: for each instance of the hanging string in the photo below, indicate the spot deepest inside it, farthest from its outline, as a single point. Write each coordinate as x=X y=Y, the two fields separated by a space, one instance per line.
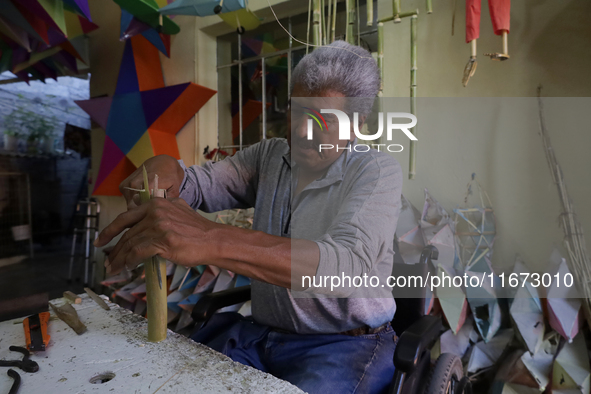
x=308 y=39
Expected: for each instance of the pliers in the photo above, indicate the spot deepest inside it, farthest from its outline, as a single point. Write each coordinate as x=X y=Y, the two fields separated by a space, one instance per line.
x=17 y=381
x=25 y=364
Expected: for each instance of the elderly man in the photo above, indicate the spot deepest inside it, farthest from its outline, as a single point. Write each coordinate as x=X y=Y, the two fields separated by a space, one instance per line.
x=319 y=213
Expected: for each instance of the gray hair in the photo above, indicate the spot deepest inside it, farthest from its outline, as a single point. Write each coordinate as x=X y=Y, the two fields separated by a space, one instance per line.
x=340 y=66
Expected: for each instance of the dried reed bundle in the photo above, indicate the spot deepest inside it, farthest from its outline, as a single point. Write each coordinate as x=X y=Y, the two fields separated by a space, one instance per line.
x=574 y=240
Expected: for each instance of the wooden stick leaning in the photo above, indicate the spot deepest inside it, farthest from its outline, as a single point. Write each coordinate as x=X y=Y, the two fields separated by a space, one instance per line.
x=155 y=269
x=95 y=297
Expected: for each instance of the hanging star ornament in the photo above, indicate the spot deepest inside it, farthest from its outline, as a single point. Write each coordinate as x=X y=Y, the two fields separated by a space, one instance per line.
x=43 y=39
x=143 y=117
x=132 y=24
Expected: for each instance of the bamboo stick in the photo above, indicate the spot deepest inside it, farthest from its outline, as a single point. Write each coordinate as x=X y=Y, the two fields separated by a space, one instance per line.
x=398 y=18
x=381 y=57
x=307 y=28
x=396 y=11
x=429 y=6
x=351 y=15
x=381 y=68
x=322 y=23
x=369 y=12
x=357 y=23
x=327 y=21
x=334 y=21
x=155 y=291
x=316 y=28
x=412 y=166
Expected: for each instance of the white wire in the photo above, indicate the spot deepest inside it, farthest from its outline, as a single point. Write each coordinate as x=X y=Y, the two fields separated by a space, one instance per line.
x=307 y=43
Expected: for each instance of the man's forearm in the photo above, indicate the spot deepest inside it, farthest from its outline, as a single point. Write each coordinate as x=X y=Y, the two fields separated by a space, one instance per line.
x=174 y=231
x=264 y=257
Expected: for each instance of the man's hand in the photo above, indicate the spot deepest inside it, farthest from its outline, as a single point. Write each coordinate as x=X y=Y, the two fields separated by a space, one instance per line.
x=165 y=227
x=172 y=230
x=170 y=176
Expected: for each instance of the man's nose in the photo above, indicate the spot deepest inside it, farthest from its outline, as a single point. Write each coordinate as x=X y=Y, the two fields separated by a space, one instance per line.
x=299 y=129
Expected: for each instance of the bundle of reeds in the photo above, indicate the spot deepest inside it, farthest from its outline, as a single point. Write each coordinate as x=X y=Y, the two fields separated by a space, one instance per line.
x=574 y=240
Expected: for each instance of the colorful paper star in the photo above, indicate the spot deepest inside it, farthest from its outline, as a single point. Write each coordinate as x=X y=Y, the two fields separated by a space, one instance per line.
x=143 y=117
x=146 y=11
x=42 y=38
x=131 y=26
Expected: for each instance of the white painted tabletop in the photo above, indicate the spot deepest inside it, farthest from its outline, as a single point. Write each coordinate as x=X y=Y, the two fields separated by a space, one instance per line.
x=116 y=342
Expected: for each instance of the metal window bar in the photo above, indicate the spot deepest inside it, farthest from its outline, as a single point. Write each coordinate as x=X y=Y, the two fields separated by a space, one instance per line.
x=239 y=62
x=264 y=56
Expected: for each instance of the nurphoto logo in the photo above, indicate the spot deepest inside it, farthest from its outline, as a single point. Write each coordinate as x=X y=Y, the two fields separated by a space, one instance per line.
x=345 y=129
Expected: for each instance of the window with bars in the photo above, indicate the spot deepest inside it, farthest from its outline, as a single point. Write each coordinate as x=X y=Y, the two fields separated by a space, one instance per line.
x=255 y=68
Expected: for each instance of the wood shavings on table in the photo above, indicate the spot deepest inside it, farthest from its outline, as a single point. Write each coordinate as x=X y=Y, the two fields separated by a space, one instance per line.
x=115 y=350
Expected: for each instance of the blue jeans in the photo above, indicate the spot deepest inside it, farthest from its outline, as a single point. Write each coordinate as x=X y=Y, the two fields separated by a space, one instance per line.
x=323 y=363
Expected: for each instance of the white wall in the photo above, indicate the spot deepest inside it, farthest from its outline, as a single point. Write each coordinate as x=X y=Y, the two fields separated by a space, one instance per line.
x=548 y=44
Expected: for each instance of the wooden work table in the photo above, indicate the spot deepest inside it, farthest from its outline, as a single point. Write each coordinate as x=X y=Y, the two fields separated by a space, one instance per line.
x=116 y=343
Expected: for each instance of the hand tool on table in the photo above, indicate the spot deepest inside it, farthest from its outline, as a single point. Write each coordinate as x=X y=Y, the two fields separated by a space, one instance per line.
x=68 y=314
x=36 y=331
x=25 y=364
x=17 y=381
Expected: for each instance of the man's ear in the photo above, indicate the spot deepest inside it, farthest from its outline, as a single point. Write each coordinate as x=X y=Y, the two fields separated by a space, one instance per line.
x=362 y=121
